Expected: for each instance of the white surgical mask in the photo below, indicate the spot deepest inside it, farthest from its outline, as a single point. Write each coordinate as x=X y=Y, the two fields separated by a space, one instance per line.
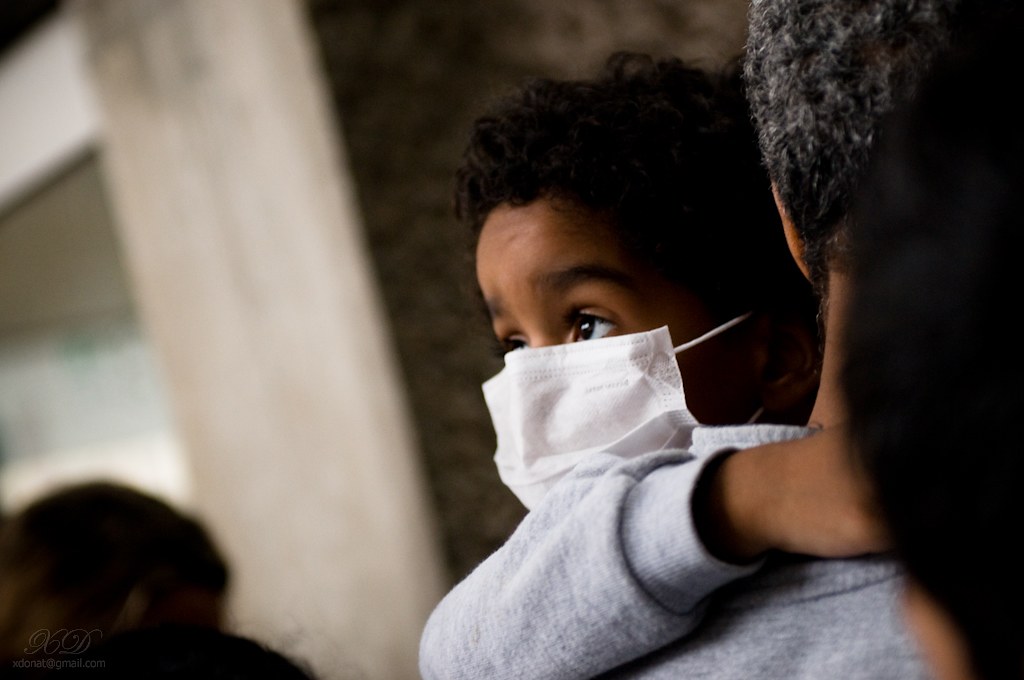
x=552 y=406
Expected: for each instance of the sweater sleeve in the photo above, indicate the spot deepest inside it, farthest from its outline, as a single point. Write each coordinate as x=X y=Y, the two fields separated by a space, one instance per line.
x=606 y=569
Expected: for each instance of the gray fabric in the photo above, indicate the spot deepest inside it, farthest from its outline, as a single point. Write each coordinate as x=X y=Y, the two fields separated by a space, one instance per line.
x=608 y=575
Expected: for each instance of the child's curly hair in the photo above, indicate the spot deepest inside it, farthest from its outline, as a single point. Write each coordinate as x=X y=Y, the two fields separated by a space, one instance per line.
x=666 y=152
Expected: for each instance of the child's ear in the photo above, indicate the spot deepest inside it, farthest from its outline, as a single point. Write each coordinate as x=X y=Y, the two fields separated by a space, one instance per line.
x=790 y=368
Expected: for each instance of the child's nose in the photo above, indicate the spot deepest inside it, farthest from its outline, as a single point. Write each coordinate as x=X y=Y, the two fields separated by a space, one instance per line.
x=548 y=339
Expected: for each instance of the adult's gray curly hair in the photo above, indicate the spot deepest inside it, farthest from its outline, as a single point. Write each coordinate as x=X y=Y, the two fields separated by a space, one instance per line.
x=821 y=75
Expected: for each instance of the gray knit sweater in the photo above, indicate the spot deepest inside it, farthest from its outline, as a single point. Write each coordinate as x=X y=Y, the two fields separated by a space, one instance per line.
x=607 y=577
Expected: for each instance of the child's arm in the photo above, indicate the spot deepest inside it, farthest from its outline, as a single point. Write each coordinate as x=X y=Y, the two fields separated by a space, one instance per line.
x=800 y=496
x=612 y=565
x=607 y=569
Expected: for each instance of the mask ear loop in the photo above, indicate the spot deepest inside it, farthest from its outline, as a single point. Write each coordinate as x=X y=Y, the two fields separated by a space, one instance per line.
x=712 y=333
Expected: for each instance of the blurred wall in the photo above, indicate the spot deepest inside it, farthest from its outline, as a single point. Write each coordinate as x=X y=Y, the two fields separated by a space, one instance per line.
x=408 y=77
x=233 y=202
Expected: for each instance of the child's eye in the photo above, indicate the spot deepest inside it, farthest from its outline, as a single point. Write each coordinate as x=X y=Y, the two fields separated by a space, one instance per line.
x=503 y=346
x=590 y=327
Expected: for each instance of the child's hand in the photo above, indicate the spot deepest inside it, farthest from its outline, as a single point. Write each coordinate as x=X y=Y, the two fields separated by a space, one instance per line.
x=802 y=496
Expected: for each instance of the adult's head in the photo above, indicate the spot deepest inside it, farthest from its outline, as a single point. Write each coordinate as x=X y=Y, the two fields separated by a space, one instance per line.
x=932 y=379
x=645 y=183
x=96 y=558
x=820 y=77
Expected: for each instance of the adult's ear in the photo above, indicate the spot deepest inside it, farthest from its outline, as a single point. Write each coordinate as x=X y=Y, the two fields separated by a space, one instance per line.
x=796 y=245
x=790 y=367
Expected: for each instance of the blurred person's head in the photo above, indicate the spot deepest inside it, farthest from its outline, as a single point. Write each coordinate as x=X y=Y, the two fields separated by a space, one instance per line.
x=98 y=558
x=183 y=652
x=932 y=378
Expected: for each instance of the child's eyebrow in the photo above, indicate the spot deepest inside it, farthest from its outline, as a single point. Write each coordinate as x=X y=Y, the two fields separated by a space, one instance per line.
x=561 y=280
x=564 y=279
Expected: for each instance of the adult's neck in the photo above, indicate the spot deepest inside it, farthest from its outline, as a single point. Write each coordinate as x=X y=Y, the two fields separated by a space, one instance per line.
x=829 y=406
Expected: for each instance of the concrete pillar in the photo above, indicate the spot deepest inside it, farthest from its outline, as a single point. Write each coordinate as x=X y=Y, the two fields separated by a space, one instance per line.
x=245 y=251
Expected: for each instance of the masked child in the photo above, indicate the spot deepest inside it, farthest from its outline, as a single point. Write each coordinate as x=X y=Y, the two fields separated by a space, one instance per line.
x=631 y=212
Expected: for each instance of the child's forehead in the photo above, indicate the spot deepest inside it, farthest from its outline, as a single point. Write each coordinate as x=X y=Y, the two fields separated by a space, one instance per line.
x=539 y=251
x=551 y=229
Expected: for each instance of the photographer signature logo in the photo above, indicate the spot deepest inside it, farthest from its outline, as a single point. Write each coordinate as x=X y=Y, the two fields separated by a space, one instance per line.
x=59 y=649
x=62 y=641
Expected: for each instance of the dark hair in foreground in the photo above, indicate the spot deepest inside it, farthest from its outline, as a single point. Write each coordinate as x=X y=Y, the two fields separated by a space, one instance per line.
x=665 y=154
x=934 y=377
